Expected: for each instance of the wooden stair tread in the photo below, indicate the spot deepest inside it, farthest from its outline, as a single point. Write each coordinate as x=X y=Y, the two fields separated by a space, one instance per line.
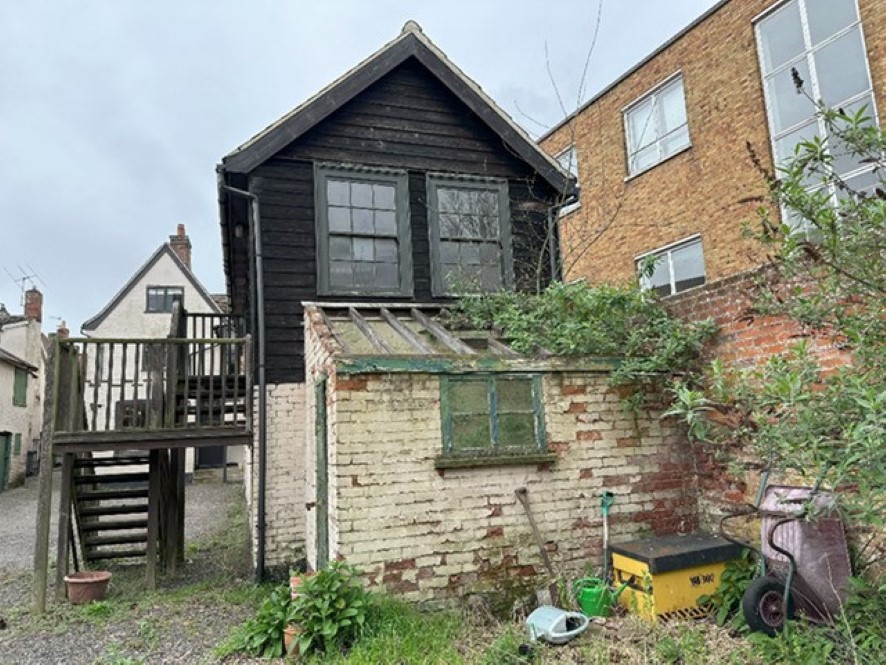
x=135 y=493
x=114 y=510
x=119 y=539
x=98 y=555
x=114 y=525
x=108 y=478
x=94 y=462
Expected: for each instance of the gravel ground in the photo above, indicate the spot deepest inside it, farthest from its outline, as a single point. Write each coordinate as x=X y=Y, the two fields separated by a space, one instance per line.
x=180 y=623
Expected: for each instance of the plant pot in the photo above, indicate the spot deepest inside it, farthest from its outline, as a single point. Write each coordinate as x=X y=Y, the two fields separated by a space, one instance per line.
x=290 y=633
x=87 y=586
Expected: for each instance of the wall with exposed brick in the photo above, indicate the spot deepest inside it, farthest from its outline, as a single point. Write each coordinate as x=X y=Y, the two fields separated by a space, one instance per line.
x=708 y=189
x=437 y=535
x=285 y=492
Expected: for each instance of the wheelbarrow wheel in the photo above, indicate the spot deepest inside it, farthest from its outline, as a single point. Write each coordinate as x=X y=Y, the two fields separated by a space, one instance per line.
x=763 y=606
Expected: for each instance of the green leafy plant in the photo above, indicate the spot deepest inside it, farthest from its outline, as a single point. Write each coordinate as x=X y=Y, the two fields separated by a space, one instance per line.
x=577 y=319
x=263 y=634
x=330 y=609
x=734 y=581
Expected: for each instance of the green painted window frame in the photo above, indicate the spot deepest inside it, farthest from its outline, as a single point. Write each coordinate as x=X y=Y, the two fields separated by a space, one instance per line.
x=20 y=387
x=497 y=185
x=16 y=444
x=397 y=178
x=495 y=451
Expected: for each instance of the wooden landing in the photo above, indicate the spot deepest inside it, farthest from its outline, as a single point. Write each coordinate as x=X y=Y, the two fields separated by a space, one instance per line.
x=181 y=437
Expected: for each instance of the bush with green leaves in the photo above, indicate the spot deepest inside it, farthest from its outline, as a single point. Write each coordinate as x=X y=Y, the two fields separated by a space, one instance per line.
x=262 y=635
x=580 y=320
x=734 y=581
x=330 y=609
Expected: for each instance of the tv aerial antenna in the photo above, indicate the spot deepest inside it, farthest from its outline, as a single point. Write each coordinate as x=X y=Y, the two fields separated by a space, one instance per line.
x=25 y=280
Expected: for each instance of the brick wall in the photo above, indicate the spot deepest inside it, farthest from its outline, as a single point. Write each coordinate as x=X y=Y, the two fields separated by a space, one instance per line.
x=745 y=338
x=709 y=189
x=285 y=492
x=434 y=536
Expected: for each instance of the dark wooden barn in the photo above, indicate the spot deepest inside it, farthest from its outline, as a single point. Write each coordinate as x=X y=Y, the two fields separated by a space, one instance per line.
x=400 y=181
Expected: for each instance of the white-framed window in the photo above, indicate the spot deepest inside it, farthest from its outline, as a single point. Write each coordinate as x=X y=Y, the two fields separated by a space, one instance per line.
x=655 y=125
x=822 y=41
x=672 y=268
x=568 y=159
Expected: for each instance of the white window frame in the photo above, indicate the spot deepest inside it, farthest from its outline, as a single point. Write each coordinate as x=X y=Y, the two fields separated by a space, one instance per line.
x=667 y=251
x=654 y=93
x=575 y=205
x=815 y=91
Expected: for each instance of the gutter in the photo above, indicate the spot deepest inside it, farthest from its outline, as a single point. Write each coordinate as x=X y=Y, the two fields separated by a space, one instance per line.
x=259 y=318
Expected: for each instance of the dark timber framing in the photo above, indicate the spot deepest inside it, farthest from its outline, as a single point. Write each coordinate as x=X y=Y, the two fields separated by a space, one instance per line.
x=406 y=112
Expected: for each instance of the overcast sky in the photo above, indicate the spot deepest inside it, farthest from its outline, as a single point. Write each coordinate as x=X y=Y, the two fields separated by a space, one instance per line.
x=114 y=113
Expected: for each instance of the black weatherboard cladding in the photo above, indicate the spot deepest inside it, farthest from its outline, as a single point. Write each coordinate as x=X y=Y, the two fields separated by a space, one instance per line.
x=406 y=120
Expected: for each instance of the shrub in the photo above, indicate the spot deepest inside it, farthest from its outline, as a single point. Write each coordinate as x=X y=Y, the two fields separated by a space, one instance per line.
x=330 y=608
x=263 y=635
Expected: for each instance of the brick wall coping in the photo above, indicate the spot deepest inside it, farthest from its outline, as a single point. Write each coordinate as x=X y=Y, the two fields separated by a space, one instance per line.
x=458 y=364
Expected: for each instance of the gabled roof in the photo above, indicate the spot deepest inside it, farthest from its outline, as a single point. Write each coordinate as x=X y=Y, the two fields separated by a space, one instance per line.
x=411 y=43
x=162 y=250
x=15 y=361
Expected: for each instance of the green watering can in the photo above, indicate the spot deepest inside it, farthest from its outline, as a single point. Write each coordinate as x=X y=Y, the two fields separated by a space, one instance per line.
x=595 y=597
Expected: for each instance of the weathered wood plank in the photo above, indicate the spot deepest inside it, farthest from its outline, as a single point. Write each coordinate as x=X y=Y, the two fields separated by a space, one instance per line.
x=64 y=525
x=153 y=521
x=407 y=333
x=447 y=339
x=374 y=338
x=501 y=349
x=44 y=481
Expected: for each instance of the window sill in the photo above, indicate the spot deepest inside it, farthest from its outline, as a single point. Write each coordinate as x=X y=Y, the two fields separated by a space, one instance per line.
x=631 y=176
x=513 y=459
x=568 y=209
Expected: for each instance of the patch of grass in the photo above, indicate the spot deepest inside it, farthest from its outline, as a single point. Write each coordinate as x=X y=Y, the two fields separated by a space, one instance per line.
x=116 y=654
x=398 y=633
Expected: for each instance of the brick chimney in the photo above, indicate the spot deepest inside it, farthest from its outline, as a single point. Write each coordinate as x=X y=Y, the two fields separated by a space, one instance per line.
x=62 y=332
x=34 y=305
x=181 y=245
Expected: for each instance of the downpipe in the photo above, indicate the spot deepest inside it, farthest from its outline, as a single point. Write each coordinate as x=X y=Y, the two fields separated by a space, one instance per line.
x=255 y=219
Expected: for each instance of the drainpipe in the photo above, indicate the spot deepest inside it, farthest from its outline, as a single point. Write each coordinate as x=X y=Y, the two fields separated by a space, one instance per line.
x=262 y=391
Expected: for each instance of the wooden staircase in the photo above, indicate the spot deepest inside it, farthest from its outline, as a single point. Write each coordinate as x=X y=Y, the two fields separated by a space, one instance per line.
x=110 y=497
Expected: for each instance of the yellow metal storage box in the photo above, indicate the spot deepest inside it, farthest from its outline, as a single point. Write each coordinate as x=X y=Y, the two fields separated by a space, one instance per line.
x=666 y=575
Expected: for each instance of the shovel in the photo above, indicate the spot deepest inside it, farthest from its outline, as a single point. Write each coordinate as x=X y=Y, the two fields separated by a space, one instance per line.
x=605 y=504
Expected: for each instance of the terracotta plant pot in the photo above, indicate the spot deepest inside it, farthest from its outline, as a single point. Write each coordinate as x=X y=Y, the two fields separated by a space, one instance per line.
x=87 y=586
x=290 y=633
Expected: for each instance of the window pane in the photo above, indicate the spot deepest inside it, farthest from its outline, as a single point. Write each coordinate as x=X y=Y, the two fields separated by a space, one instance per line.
x=471 y=396
x=364 y=275
x=641 y=126
x=485 y=203
x=363 y=249
x=470 y=254
x=517 y=430
x=671 y=107
x=787 y=105
x=514 y=395
x=339 y=248
x=385 y=197
x=361 y=195
x=447 y=200
x=827 y=17
x=386 y=223
x=781 y=36
x=568 y=159
x=644 y=159
x=490 y=254
x=337 y=193
x=339 y=220
x=470 y=432
x=675 y=142
x=386 y=251
x=660 y=280
x=449 y=252
x=786 y=145
x=363 y=221
x=341 y=274
x=387 y=276
x=490 y=278
x=688 y=266
x=841 y=69
x=448 y=225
